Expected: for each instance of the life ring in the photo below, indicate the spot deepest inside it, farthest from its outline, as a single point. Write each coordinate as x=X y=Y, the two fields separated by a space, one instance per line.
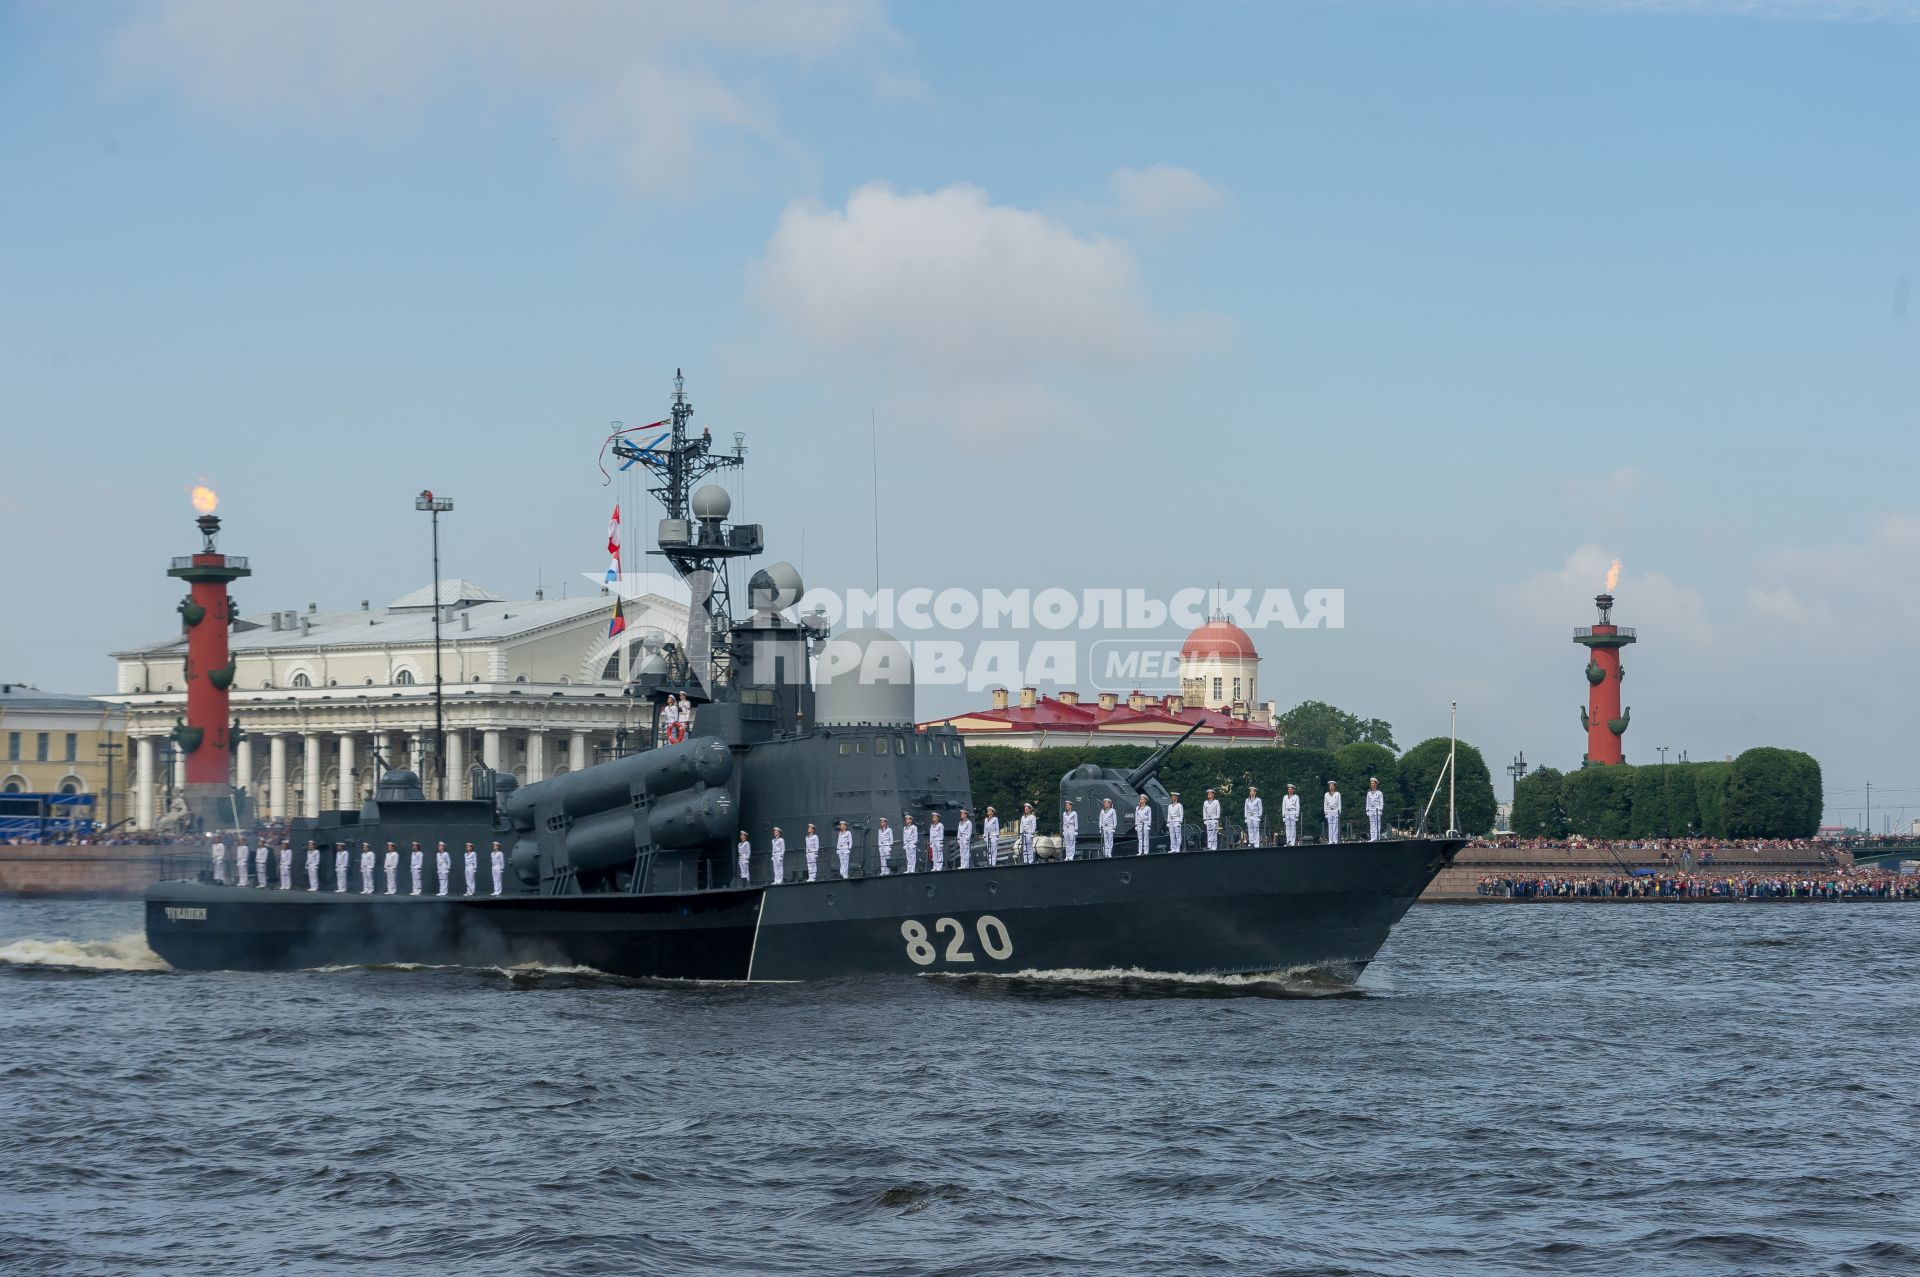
x=676 y=732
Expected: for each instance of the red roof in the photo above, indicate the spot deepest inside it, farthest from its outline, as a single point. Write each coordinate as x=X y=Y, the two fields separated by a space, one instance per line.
x=1218 y=637
x=1049 y=714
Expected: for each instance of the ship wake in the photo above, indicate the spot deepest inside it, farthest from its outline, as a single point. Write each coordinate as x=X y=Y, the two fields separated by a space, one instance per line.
x=122 y=953
x=1298 y=982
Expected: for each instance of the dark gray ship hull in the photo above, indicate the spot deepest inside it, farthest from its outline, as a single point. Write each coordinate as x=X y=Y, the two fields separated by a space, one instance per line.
x=1247 y=910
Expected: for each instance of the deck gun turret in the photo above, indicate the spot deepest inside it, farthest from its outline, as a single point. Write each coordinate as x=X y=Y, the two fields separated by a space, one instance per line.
x=1088 y=783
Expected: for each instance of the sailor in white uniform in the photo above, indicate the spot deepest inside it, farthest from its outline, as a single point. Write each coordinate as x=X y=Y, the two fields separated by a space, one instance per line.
x=1251 y=811
x=1290 y=816
x=1330 y=808
x=470 y=863
x=286 y=866
x=1176 y=821
x=686 y=716
x=669 y=715
x=219 y=862
x=1029 y=825
x=965 y=835
x=910 y=844
x=241 y=856
x=391 y=863
x=990 y=830
x=1376 y=808
x=366 y=868
x=313 y=865
x=813 y=855
x=443 y=866
x=777 y=853
x=260 y=855
x=1069 y=830
x=340 y=859
x=743 y=855
x=1109 y=825
x=843 y=849
x=936 y=843
x=883 y=840
x=1210 y=820
x=497 y=861
x=416 y=861
x=1143 y=824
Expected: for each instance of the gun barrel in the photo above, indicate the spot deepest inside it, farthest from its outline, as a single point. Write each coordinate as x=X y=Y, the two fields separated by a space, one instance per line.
x=1151 y=765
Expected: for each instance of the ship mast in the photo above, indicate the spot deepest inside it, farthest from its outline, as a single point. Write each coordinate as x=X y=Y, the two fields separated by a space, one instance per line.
x=693 y=537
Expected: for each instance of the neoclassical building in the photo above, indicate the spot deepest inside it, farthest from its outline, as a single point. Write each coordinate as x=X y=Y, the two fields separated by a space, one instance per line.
x=530 y=687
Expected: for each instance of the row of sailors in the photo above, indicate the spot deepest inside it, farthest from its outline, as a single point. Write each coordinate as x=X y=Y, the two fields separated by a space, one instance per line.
x=1023 y=833
x=262 y=857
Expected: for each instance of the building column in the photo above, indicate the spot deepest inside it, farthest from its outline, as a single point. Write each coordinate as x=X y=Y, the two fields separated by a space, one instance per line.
x=243 y=764
x=490 y=749
x=349 y=800
x=310 y=792
x=381 y=742
x=577 y=751
x=536 y=756
x=143 y=782
x=456 y=765
x=277 y=777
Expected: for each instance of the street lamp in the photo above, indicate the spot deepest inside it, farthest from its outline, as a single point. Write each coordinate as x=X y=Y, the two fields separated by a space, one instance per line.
x=1662 y=751
x=434 y=505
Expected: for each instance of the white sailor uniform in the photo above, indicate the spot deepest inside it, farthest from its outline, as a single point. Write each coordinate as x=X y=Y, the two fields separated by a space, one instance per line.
x=286 y=866
x=220 y=862
x=990 y=830
x=470 y=862
x=1143 y=827
x=340 y=859
x=498 y=863
x=416 y=861
x=965 y=835
x=813 y=857
x=1251 y=811
x=843 y=848
x=1029 y=824
x=1069 y=832
x=883 y=839
x=391 y=863
x=1290 y=817
x=1376 y=808
x=366 y=872
x=937 y=844
x=1210 y=818
x=1330 y=808
x=910 y=847
x=313 y=867
x=1109 y=823
x=443 y=865
x=1176 y=822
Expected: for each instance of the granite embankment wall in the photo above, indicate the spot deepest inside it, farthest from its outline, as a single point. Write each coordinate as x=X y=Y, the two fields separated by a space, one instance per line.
x=1460 y=880
x=27 y=870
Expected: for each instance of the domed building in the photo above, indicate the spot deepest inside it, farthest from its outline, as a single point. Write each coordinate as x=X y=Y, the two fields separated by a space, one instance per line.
x=1220 y=669
x=1219 y=672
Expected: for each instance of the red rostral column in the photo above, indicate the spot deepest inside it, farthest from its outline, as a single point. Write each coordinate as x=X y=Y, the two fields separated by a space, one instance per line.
x=207 y=615
x=1603 y=718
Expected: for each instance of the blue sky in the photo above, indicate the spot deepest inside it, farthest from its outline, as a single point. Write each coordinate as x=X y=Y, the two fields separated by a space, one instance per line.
x=1445 y=305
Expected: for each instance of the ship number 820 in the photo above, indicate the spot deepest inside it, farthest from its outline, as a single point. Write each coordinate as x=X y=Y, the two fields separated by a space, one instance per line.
x=991 y=931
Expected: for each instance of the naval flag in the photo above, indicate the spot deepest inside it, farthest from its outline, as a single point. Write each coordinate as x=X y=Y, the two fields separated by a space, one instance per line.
x=618 y=624
x=613 y=532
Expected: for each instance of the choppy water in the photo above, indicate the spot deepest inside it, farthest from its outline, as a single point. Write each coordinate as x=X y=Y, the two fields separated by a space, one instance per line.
x=1565 y=1089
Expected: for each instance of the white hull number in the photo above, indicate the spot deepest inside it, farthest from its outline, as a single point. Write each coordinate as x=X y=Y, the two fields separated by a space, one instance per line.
x=992 y=934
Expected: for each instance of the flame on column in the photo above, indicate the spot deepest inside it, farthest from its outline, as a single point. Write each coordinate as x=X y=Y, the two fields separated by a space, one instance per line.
x=205 y=499
x=1613 y=576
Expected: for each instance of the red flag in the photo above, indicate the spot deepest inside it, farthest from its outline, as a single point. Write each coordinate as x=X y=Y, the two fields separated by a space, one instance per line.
x=613 y=533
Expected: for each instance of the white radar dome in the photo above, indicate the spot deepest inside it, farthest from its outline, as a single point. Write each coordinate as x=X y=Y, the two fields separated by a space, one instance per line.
x=864 y=676
x=775 y=588
x=711 y=502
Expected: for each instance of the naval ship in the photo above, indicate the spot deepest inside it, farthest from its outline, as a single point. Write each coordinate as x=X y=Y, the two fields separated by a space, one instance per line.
x=628 y=866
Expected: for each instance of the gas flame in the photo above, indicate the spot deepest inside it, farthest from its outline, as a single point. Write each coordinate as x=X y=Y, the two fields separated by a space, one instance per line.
x=205 y=500
x=1613 y=576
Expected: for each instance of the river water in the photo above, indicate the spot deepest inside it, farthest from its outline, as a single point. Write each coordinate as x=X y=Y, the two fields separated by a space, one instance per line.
x=1533 y=1088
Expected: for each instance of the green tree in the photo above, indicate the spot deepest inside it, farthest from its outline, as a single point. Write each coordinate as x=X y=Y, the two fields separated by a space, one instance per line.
x=1682 y=818
x=1420 y=768
x=1773 y=793
x=1361 y=761
x=1710 y=794
x=1600 y=801
x=1540 y=805
x=1318 y=725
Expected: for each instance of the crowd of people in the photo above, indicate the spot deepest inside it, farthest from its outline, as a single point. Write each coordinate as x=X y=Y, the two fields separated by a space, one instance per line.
x=1840 y=884
x=1672 y=848
x=333 y=869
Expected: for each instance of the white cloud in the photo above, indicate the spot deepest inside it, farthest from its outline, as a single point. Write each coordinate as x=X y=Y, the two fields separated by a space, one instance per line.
x=951 y=286
x=1164 y=193
x=641 y=80
x=1563 y=597
x=1852 y=594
